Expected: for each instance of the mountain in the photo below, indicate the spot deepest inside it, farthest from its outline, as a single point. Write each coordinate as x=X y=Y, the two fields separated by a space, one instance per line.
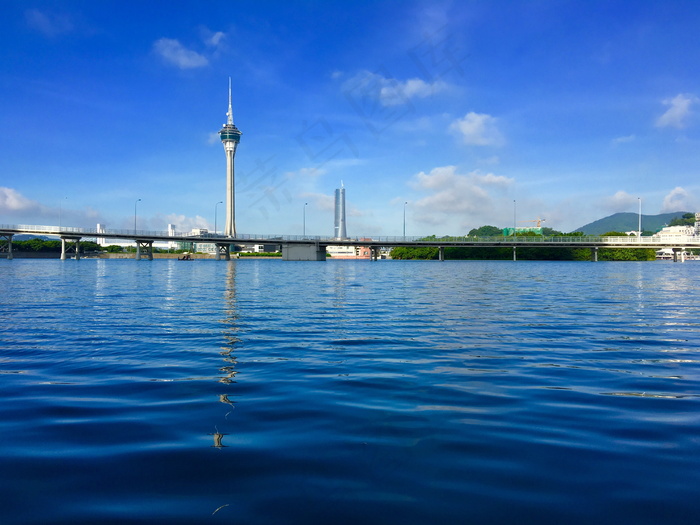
x=29 y=237
x=624 y=222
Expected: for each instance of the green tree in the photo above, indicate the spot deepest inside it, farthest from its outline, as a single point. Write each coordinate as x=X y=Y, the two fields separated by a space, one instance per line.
x=687 y=219
x=486 y=231
x=414 y=252
x=625 y=254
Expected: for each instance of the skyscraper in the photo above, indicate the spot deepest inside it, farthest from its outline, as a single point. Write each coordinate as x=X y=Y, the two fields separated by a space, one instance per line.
x=230 y=137
x=339 y=231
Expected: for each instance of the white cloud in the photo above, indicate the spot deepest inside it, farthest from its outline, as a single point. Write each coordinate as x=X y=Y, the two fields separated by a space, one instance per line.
x=678 y=199
x=48 y=23
x=478 y=129
x=182 y=223
x=450 y=194
x=389 y=91
x=623 y=140
x=13 y=201
x=621 y=201
x=173 y=52
x=17 y=207
x=320 y=201
x=214 y=39
x=677 y=114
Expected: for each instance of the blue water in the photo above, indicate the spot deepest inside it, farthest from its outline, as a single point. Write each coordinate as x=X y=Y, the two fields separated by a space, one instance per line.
x=392 y=392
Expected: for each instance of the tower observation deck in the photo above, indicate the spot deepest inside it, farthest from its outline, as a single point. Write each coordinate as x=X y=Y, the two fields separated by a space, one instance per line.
x=230 y=137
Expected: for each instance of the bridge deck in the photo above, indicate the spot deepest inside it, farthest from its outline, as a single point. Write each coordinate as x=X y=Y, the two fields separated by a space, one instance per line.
x=370 y=241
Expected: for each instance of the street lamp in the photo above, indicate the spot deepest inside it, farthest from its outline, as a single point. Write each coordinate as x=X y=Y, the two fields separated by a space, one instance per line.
x=514 y=222
x=137 y=201
x=404 y=220
x=215 y=216
x=304 y=231
x=640 y=218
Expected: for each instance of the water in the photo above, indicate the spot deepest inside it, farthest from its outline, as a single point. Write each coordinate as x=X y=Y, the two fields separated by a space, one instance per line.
x=267 y=392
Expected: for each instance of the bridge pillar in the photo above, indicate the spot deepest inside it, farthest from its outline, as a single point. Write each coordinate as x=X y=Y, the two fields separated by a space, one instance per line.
x=223 y=249
x=7 y=248
x=441 y=253
x=68 y=245
x=514 y=256
x=145 y=248
x=594 y=254
x=303 y=252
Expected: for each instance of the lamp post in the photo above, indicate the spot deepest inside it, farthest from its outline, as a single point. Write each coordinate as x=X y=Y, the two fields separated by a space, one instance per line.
x=215 y=215
x=514 y=221
x=135 y=203
x=304 y=227
x=404 y=220
x=639 y=228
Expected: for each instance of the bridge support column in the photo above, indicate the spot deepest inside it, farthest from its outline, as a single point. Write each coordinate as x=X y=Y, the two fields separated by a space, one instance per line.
x=7 y=248
x=514 y=256
x=68 y=245
x=678 y=254
x=594 y=254
x=144 y=248
x=303 y=252
x=223 y=250
x=441 y=253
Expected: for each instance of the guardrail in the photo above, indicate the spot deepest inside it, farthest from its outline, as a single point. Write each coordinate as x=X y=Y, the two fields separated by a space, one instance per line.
x=373 y=240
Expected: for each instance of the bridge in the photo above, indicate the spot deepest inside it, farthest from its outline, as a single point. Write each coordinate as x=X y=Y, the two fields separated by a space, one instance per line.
x=306 y=248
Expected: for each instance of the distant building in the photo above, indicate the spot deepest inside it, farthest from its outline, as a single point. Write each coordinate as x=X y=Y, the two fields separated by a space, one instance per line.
x=507 y=232
x=349 y=252
x=675 y=233
x=339 y=231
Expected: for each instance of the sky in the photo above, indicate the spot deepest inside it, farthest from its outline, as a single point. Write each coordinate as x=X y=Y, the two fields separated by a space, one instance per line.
x=435 y=116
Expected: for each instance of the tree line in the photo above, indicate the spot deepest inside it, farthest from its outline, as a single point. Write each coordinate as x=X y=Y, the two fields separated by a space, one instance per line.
x=532 y=253
x=54 y=246
x=47 y=246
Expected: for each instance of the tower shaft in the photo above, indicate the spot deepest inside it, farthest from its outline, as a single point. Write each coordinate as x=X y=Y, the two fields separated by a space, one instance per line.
x=230 y=225
x=339 y=226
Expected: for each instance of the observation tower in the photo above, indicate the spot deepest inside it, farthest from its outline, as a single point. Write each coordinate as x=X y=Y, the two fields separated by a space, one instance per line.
x=230 y=137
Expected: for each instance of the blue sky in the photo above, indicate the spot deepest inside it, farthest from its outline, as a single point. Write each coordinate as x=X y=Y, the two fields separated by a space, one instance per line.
x=464 y=113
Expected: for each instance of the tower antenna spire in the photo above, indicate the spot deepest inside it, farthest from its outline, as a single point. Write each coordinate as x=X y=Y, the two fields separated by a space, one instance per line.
x=230 y=107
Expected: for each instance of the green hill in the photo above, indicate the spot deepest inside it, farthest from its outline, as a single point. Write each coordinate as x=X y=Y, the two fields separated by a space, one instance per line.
x=624 y=222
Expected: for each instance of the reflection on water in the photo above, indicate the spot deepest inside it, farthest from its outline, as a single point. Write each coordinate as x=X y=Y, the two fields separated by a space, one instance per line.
x=230 y=336
x=218 y=438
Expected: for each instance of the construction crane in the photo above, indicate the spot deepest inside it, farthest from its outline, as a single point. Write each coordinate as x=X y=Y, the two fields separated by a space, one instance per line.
x=538 y=221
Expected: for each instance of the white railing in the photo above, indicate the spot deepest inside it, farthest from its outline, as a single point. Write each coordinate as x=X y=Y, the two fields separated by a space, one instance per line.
x=389 y=240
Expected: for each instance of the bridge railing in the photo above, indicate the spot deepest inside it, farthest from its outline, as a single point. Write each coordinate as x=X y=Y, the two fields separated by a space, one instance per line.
x=656 y=240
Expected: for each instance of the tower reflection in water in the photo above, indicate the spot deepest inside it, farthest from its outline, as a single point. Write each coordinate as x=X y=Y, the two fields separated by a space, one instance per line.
x=230 y=329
